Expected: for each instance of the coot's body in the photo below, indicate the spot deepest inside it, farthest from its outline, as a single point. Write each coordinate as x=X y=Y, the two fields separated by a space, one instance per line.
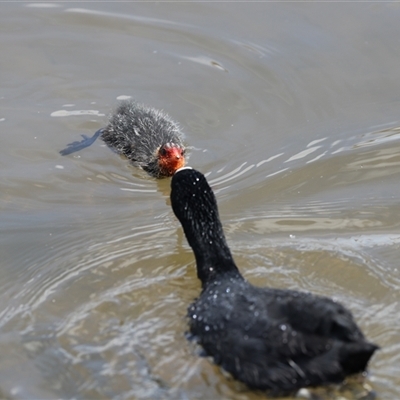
x=270 y=339
x=149 y=138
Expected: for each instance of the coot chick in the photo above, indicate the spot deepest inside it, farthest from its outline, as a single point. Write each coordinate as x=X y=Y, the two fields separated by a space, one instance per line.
x=149 y=138
x=270 y=339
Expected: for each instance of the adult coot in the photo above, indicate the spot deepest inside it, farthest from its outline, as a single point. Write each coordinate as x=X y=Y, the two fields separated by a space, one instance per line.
x=270 y=339
x=149 y=138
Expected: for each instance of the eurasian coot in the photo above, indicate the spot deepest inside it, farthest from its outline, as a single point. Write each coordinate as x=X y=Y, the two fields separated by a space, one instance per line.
x=271 y=339
x=149 y=138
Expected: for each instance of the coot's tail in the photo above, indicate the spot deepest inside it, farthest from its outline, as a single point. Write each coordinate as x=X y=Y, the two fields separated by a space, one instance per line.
x=354 y=357
x=76 y=146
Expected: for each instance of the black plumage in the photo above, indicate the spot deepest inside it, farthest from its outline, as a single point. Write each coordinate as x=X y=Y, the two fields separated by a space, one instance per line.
x=271 y=339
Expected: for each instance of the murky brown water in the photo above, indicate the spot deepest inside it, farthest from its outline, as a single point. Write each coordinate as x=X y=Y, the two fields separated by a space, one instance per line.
x=292 y=111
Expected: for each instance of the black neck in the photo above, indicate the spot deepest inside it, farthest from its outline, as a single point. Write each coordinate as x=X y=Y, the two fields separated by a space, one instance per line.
x=195 y=206
x=213 y=256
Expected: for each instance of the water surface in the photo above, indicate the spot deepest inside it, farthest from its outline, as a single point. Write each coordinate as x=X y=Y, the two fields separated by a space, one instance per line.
x=292 y=112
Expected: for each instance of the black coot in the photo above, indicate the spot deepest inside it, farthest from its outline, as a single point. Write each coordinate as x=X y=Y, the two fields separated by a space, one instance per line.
x=149 y=138
x=270 y=339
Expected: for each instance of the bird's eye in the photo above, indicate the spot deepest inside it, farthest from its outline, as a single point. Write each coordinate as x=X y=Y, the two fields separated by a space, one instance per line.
x=163 y=152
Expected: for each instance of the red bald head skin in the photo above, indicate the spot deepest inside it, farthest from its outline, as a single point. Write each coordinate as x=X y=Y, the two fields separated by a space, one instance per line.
x=171 y=157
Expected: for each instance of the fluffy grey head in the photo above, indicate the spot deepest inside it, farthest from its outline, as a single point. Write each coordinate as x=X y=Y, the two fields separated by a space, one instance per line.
x=139 y=132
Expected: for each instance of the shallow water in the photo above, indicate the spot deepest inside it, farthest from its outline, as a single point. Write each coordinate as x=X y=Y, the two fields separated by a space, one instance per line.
x=290 y=109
